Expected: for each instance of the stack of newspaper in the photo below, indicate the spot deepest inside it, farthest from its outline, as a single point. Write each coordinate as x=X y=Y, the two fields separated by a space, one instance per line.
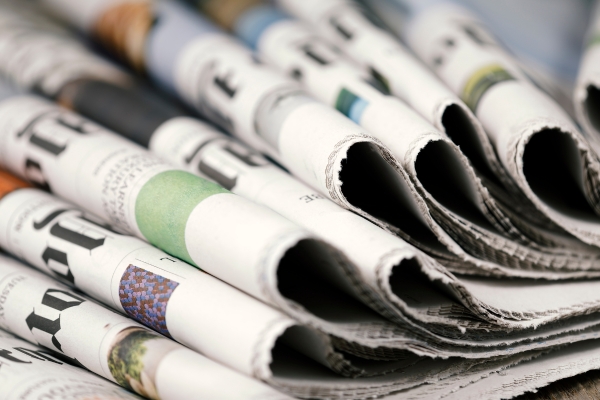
x=300 y=198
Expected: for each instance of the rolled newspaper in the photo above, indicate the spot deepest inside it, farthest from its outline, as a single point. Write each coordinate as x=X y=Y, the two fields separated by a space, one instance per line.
x=143 y=282
x=204 y=151
x=586 y=97
x=29 y=372
x=199 y=148
x=535 y=139
x=505 y=304
x=42 y=311
x=190 y=217
x=221 y=78
x=376 y=264
x=346 y=25
x=415 y=222
x=456 y=199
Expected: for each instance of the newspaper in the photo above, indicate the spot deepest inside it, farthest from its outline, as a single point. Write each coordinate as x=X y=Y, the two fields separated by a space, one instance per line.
x=44 y=312
x=359 y=336
x=419 y=226
x=587 y=87
x=184 y=142
x=181 y=130
x=358 y=330
x=28 y=209
x=507 y=251
x=392 y=253
x=223 y=158
x=219 y=77
x=29 y=372
x=38 y=55
x=199 y=148
x=273 y=259
x=190 y=149
x=386 y=61
x=61 y=240
x=48 y=62
x=295 y=49
x=533 y=136
x=114 y=347
x=350 y=27
x=69 y=95
x=515 y=380
x=106 y=103
x=263 y=108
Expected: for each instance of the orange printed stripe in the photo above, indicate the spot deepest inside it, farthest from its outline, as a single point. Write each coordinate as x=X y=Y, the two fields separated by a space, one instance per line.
x=124 y=28
x=226 y=12
x=10 y=183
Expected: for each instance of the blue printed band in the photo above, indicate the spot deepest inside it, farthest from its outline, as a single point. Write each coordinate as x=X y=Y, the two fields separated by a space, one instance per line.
x=351 y=105
x=250 y=25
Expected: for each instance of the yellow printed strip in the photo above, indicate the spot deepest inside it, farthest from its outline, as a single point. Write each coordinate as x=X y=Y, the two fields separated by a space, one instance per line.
x=481 y=81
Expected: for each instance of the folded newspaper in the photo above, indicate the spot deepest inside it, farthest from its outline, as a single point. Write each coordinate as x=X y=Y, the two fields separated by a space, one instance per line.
x=193 y=145
x=586 y=98
x=220 y=78
x=124 y=352
x=537 y=142
x=186 y=142
x=470 y=215
x=56 y=121
x=476 y=222
x=494 y=329
x=345 y=23
x=219 y=157
x=545 y=40
x=340 y=161
x=45 y=312
x=57 y=238
x=482 y=383
x=387 y=61
x=143 y=195
x=312 y=260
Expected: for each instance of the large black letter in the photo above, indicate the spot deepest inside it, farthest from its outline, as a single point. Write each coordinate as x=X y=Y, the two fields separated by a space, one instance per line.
x=7 y=355
x=52 y=326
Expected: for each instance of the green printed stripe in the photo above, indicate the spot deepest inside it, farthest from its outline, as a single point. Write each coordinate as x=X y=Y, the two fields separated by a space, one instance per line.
x=344 y=101
x=164 y=205
x=350 y=105
x=481 y=81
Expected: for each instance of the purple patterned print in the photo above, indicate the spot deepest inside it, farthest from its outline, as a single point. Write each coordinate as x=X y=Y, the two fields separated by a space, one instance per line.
x=145 y=296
